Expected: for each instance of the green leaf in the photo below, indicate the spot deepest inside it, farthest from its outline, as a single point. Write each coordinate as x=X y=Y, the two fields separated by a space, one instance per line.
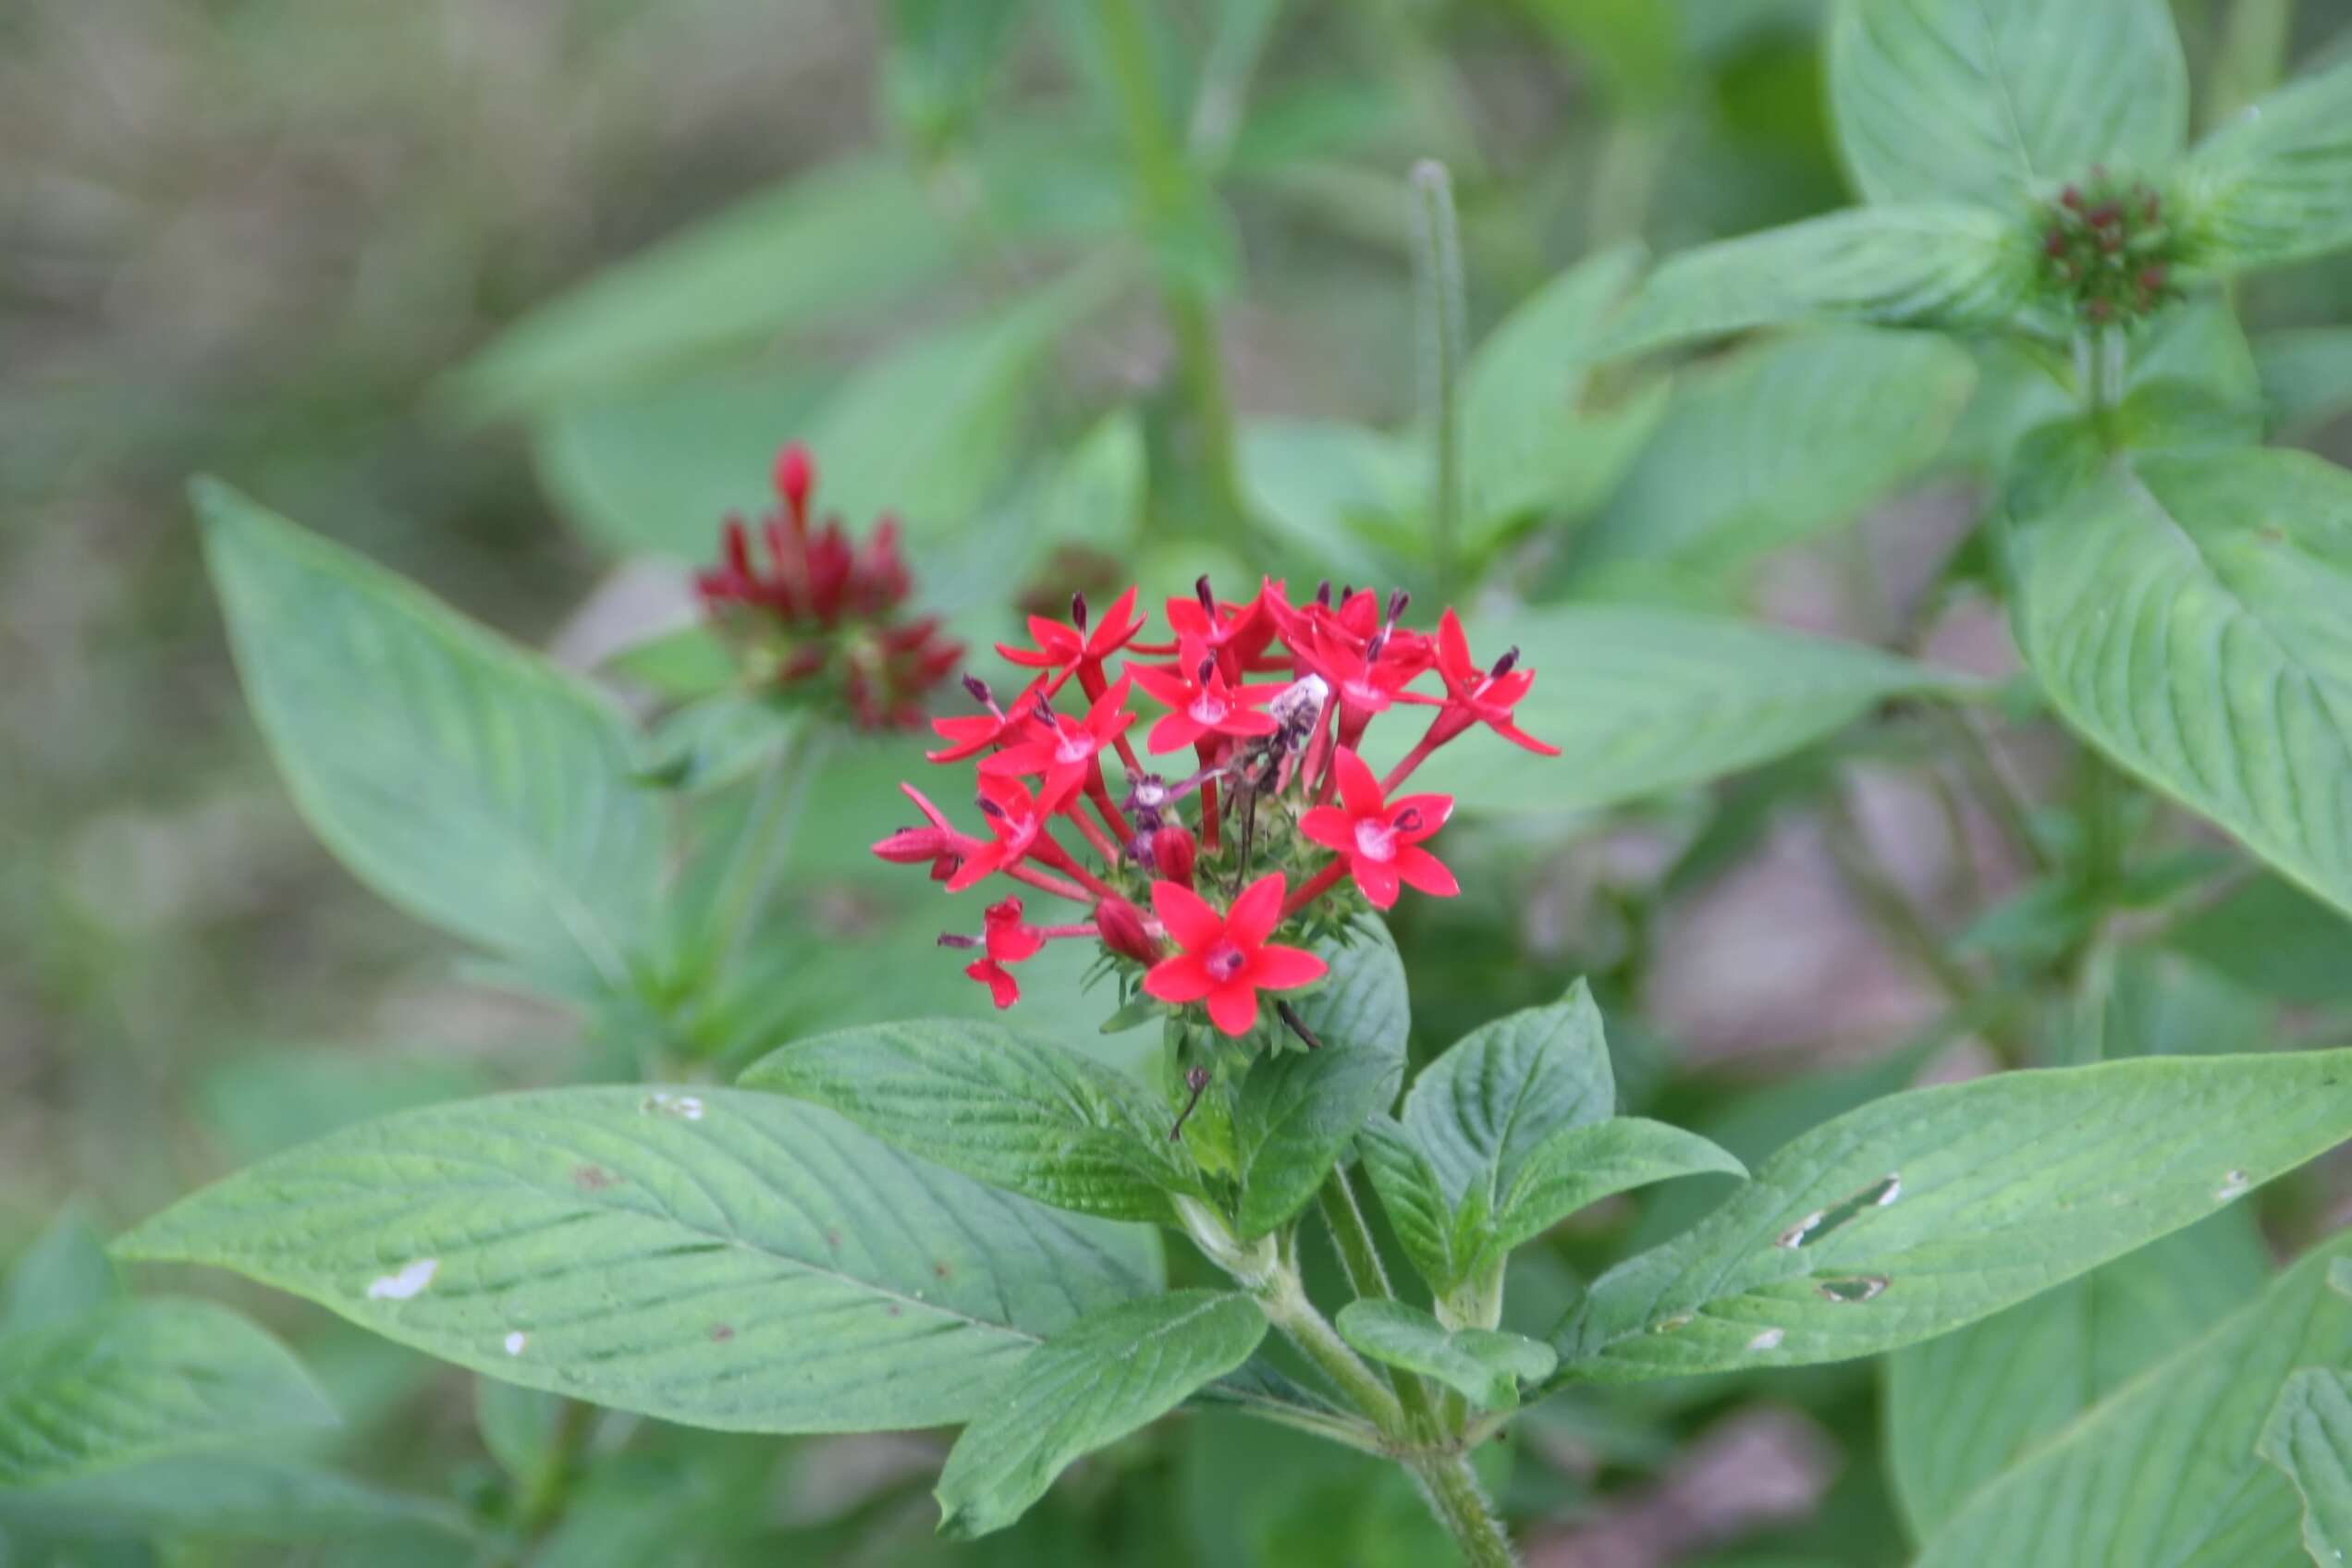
x=234 y=1496
x=1095 y=496
x=943 y=59
x=1016 y=1112
x=1925 y=264
x=2271 y=936
x=1992 y=101
x=1530 y=444
x=1776 y=444
x=2165 y=1470
x=464 y=778
x=1297 y=1111
x=2309 y=1437
x=1323 y=489
x=929 y=432
x=2273 y=185
x=1105 y=1376
x=713 y=1258
x=64 y=1274
x=138 y=1380
x=1479 y=1111
x=2307 y=375
x=850 y=234
x=1932 y=1209
x=1578 y=1166
x=1414 y=1201
x=1647 y=701
x=1486 y=1366
x=1962 y=1408
x=2192 y=615
x=521 y=1428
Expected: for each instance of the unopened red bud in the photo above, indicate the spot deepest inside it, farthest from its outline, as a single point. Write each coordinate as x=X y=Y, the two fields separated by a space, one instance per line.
x=913 y=846
x=795 y=476
x=1124 y=931
x=1174 y=851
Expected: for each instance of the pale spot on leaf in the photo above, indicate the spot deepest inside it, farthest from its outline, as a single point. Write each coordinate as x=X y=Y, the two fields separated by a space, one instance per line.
x=408 y=1280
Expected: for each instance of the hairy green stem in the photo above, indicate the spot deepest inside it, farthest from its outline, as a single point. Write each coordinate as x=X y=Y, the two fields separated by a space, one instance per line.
x=1440 y=304
x=1284 y=1298
x=1460 y=1504
x=1164 y=181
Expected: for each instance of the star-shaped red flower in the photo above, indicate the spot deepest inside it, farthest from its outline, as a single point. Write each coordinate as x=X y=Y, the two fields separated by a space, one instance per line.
x=1381 y=837
x=970 y=734
x=1225 y=959
x=1065 y=751
x=1203 y=701
x=1486 y=695
x=1067 y=650
x=1008 y=941
x=1017 y=822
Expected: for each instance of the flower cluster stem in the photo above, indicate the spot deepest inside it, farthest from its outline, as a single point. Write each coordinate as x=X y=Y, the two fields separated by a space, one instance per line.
x=1283 y=1295
x=1165 y=180
x=1360 y=1256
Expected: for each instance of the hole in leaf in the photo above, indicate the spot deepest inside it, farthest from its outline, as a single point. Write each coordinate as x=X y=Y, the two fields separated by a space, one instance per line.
x=1854 y=1288
x=1821 y=1221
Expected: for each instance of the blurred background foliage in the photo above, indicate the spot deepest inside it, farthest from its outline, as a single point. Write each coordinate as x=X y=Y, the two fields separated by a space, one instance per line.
x=517 y=296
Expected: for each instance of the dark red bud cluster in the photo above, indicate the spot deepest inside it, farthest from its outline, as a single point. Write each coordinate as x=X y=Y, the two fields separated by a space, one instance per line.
x=815 y=609
x=2108 y=251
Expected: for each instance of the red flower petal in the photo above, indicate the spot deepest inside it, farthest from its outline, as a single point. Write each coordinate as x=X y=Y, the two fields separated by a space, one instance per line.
x=1359 y=788
x=1254 y=914
x=1178 y=980
x=1187 y=915
x=1419 y=869
x=1277 y=968
x=1233 y=1007
x=1329 y=826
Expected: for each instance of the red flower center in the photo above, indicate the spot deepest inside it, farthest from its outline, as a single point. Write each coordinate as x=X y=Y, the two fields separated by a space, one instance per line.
x=1375 y=839
x=1224 y=961
x=1076 y=748
x=1208 y=708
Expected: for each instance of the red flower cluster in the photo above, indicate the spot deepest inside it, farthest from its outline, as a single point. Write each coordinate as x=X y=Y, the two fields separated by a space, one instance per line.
x=822 y=614
x=1271 y=700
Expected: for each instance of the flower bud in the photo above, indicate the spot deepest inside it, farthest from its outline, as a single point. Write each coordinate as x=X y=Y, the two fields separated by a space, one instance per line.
x=1173 y=852
x=795 y=476
x=913 y=846
x=1124 y=931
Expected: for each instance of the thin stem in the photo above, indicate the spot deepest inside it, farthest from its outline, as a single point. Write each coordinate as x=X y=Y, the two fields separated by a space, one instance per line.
x=758 y=850
x=1360 y=1256
x=1998 y=786
x=1439 y=305
x=1451 y=1490
x=1164 y=183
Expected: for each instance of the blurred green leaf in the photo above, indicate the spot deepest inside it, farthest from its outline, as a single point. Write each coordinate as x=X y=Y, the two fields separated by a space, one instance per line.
x=2165 y=1470
x=1014 y=1111
x=2274 y=185
x=1297 y=1110
x=264 y=1102
x=1532 y=443
x=942 y=60
x=63 y=1275
x=2273 y=937
x=2309 y=1437
x=1990 y=100
x=138 y=1381
x=1776 y=444
x=844 y=238
x=1944 y=266
x=1483 y=1365
x=1926 y=1210
x=724 y=1259
x=1963 y=1408
x=1108 y=1374
x=1645 y=701
x=2189 y=614
x=520 y=1428
x=1323 y=489
x=240 y=1497
x=463 y=777
x=2307 y=375
x=690 y=662
x=1094 y=495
